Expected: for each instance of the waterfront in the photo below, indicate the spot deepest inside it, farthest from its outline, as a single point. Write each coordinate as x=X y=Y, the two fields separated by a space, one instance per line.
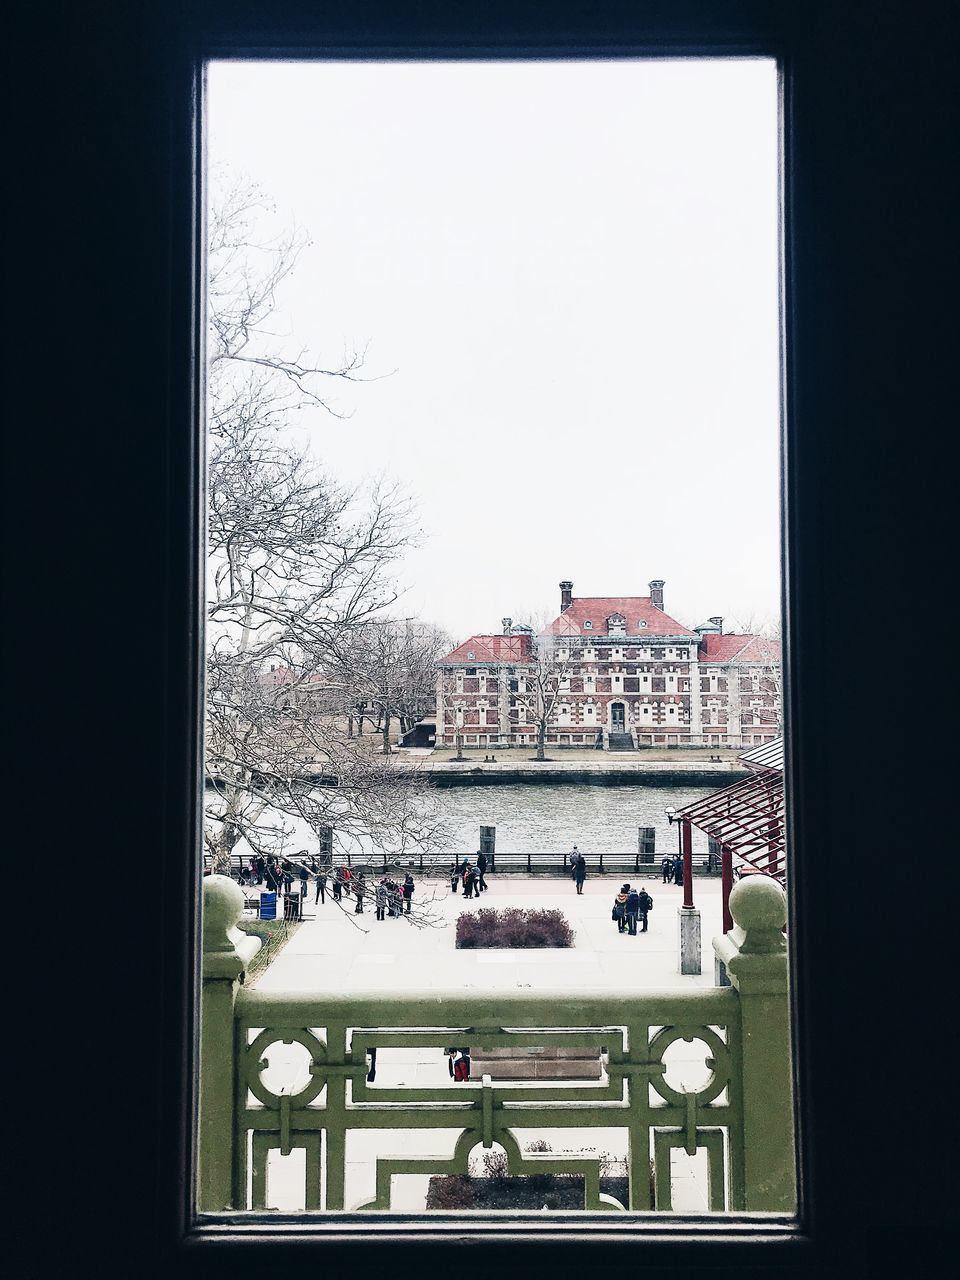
x=549 y=818
x=541 y=819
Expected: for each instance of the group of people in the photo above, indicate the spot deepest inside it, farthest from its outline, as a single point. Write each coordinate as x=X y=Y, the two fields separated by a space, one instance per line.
x=468 y=876
x=278 y=874
x=672 y=869
x=629 y=906
x=393 y=899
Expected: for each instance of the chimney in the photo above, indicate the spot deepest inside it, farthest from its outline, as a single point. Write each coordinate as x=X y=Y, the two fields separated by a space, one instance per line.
x=718 y=623
x=507 y=626
x=566 y=595
x=656 y=593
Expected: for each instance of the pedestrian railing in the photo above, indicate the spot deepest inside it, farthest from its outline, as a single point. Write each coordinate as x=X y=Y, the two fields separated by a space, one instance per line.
x=741 y=1116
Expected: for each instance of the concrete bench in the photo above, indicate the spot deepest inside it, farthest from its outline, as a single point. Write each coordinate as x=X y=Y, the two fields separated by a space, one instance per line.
x=537 y=1062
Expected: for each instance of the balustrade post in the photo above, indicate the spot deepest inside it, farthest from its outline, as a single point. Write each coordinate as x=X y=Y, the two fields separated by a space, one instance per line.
x=754 y=954
x=226 y=954
x=688 y=917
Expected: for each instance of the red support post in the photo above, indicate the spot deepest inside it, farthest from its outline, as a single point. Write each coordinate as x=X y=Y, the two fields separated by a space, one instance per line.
x=686 y=844
x=726 y=884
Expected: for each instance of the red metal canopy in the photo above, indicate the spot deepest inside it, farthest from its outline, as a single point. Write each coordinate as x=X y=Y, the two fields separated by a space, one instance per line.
x=747 y=819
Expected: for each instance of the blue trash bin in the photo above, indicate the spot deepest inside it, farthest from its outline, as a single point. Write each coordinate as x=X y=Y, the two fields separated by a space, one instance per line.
x=268 y=906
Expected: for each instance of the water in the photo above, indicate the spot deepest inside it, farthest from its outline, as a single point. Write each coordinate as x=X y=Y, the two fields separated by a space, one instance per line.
x=550 y=818
x=547 y=818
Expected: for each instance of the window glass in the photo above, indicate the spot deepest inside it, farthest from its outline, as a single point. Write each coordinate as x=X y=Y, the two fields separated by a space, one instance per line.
x=424 y=278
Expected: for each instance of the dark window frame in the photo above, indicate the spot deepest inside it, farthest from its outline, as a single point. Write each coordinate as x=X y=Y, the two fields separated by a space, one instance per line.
x=865 y=220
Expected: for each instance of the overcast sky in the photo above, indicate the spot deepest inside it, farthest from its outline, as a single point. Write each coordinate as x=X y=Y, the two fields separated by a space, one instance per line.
x=569 y=271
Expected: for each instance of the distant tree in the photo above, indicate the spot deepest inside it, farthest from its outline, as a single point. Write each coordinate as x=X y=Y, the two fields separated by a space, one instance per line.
x=540 y=684
x=771 y=670
x=387 y=667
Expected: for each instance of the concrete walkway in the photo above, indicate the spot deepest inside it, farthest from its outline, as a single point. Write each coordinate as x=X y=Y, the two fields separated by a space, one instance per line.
x=335 y=949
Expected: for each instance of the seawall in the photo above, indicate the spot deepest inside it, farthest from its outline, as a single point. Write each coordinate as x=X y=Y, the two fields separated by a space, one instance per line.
x=655 y=773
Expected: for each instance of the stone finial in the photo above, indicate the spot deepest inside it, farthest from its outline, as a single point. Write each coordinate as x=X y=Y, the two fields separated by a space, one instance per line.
x=222 y=908
x=759 y=908
x=227 y=950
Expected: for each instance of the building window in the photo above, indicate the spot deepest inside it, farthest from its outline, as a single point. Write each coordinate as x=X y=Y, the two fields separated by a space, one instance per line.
x=588 y=625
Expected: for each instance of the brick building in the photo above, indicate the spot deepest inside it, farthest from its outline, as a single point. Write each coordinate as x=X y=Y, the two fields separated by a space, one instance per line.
x=615 y=672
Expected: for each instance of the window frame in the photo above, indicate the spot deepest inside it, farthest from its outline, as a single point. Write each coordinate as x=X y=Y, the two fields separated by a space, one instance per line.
x=138 y=151
x=342 y=1226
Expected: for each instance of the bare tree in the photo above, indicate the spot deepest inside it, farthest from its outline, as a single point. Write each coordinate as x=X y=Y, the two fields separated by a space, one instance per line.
x=450 y=703
x=541 y=682
x=768 y=631
x=386 y=669
x=297 y=563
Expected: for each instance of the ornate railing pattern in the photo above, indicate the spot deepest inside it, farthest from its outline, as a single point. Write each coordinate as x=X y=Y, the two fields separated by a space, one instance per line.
x=741 y=1115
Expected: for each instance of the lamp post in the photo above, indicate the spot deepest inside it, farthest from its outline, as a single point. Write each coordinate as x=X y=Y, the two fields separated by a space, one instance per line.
x=687 y=915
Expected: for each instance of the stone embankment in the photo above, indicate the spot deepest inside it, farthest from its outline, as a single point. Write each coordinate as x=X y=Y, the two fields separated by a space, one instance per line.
x=664 y=773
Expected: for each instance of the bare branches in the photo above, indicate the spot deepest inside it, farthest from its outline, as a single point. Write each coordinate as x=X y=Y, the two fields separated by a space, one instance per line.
x=247 y=264
x=299 y=569
x=542 y=683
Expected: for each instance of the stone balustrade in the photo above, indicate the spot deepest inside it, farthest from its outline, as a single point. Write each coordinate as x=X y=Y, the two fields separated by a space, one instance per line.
x=741 y=1114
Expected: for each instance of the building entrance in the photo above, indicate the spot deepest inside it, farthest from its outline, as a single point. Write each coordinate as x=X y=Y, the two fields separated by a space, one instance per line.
x=617 y=718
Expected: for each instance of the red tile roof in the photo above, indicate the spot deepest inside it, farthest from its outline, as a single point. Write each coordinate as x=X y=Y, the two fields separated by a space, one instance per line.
x=739 y=648
x=491 y=649
x=635 y=609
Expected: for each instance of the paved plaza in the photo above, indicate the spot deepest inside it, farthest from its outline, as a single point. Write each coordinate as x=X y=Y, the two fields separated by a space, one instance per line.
x=333 y=947
x=335 y=950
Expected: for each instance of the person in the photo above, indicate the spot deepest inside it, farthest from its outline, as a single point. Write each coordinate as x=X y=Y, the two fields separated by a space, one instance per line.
x=407 y=891
x=381 y=899
x=396 y=900
x=467 y=880
x=321 y=894
x=631 y=908
x=359 y=885
x=304 y=873
x=666 y=869
x=574 y=856
x=619 y=912
x=454 y=876
x=481 y=868
x=678 y=870
x=580 y=872
x=458 y=1063
x=645 y=907
x=261 y=868
x=337 y=883
x=272 y=877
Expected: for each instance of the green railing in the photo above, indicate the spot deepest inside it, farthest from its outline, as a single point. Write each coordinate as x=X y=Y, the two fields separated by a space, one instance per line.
x=742 y=1116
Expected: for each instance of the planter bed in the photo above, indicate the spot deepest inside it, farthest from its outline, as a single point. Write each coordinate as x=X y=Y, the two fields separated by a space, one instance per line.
x=559 y=1191
x=513 y=927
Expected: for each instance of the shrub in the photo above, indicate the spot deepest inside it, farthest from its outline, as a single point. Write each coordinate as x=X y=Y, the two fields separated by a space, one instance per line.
x=514 y=927
x=495 y=1164
x=454 y=1191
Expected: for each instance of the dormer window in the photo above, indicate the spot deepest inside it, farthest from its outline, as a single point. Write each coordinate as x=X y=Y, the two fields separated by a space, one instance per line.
x=617 y=625
x=471 y=654
x=641 y=623
x=588 y=625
